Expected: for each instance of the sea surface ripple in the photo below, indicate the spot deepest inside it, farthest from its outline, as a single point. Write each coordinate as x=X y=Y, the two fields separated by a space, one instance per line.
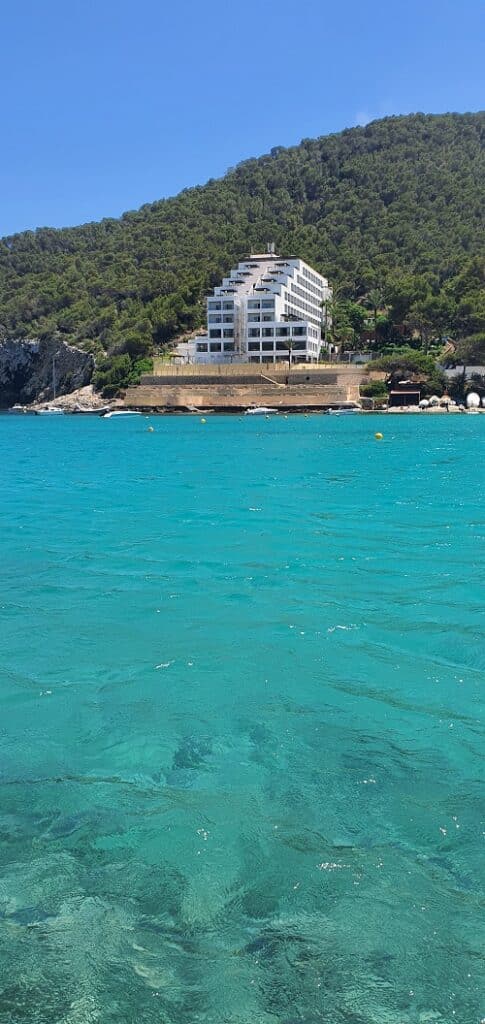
x=241 y=769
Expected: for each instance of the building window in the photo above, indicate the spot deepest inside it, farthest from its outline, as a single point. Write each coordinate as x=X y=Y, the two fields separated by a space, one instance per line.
x=253 y=346
x=280 y=345
x=267 y=317
x=253 y=304
x=299 y=346
x=215 y=334
x=201 y=347
x=214 y=318
x=267 y=332
x=213 y=305
x=253 y=332
x=299 y=332
x=215 y=346
x=253 y=318
x=228 y=305
x=267 y=304
x=267 y=346
x=228 y=346
x=282 y=332
x=228 y=333
x=228 y=318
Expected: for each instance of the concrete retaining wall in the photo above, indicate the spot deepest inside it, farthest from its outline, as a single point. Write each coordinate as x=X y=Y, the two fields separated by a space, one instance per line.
x=251 y=373
x=163 y=369
x=219 y=396
x=240 y=385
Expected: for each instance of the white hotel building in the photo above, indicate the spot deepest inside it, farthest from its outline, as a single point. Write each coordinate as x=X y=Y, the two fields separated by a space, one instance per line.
x=269 y=309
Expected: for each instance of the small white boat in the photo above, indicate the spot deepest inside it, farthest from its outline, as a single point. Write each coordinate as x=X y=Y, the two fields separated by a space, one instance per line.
x=17 y=408
x=50 y=412
x=345 y=411
x=260 y=410
x=120 y=412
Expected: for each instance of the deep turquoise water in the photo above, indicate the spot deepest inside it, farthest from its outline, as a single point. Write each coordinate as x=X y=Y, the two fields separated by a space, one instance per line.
x=242 y=671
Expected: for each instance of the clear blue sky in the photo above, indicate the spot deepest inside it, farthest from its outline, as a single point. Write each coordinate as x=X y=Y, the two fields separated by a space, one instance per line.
x=108 y=104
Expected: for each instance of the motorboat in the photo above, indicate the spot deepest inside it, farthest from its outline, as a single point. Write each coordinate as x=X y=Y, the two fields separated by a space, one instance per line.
x=350 y=410
x=119 y=412
x=260 y=410
x=50 y=412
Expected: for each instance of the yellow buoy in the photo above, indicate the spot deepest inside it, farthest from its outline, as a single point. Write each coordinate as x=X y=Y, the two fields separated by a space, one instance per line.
x=203 y=420
x=378 y=436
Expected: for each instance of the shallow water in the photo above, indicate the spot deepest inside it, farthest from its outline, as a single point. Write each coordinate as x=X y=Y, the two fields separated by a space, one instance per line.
x=241 y=773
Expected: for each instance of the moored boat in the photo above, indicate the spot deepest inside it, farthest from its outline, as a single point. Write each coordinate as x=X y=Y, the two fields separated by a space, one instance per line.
x=119 y=412
x=345 y=410
x=260 y=410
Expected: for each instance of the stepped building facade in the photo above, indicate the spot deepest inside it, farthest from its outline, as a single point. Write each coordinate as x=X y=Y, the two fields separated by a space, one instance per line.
x=269 y=309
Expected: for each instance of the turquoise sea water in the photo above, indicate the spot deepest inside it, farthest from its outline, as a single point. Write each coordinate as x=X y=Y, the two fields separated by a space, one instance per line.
x=242 y=670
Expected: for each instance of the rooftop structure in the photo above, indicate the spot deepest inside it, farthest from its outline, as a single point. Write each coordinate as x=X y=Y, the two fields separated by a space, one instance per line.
x=269 y=309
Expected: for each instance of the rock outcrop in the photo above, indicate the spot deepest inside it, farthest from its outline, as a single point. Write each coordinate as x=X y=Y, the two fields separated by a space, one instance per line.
x=30 y=368
x=82 y=400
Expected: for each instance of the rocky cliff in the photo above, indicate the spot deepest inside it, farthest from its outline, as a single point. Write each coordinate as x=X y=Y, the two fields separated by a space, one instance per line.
x=29 y=369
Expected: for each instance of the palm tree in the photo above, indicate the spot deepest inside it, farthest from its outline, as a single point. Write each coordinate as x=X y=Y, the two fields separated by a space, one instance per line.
x=340 y=331
x=375 y=300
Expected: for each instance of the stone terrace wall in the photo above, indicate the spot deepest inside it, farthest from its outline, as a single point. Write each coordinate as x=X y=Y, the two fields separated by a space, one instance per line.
x=220 y=396
x=323 y=373
x=241 y=385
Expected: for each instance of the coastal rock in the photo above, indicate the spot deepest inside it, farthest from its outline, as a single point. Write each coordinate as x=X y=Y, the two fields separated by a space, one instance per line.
x=28 y=367
x=84 y=399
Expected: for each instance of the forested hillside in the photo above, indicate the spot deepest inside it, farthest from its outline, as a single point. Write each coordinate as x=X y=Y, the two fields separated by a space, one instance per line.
x=396 y=207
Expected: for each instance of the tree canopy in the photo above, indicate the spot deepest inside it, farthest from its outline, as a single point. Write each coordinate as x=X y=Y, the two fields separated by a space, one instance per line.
x=471 y=350
x=391 y=213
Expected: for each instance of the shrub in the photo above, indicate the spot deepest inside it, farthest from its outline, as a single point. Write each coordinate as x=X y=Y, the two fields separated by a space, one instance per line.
x=375 y=389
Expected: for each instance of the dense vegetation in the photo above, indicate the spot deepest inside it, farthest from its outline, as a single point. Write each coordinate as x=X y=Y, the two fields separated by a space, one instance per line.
x=407 y=363
x=392 y=213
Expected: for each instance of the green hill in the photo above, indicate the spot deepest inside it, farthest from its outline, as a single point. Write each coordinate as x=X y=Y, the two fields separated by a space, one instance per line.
x=397 y=205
